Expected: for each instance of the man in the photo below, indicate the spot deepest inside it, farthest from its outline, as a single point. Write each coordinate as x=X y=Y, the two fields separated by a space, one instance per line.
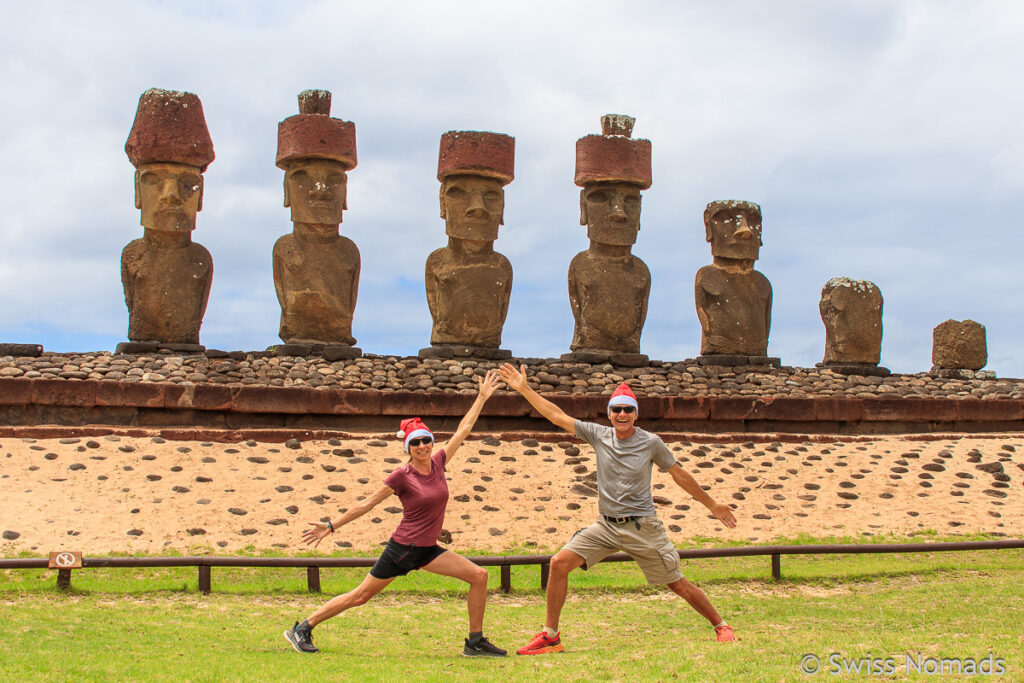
x=627 y=519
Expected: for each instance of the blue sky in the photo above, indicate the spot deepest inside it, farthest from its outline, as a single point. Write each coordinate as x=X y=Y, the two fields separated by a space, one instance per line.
x=882 y=139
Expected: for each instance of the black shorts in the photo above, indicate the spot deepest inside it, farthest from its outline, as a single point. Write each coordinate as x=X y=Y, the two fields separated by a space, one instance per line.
x=399 y=559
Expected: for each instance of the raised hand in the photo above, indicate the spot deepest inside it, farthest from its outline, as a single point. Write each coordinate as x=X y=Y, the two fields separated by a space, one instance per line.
x=488 y=383
x=318 y=533
x=516 y=379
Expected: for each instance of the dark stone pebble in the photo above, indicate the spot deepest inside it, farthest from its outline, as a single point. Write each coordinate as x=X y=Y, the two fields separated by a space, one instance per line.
x=247 y=532
x=196 y=531
x=135 y=532
x=149 y=457
x=292 y=509
x=9 y=535
x=183 y=449
x=153 y=477
x=204 y=480
x=491 y=441
x=126 y=449
x=462 y=498
x=50 y=456
x=238 y=511
x=76 y=466
x=277 y=521
x=336 y=488
x=305 y=459
x=812 y=487
x=393 y=509
x=283 y=489
x=180 y=489
x=530 y=443
x=293 y=444
x=377 y=443
x=92 y=444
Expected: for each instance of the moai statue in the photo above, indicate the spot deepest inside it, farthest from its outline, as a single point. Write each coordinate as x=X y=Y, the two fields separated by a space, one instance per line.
x=468 y=283
x=734 y=301
x=608 y=285
x=852 y=313
x=316 y=269
x=167 y=276
x=959 y=349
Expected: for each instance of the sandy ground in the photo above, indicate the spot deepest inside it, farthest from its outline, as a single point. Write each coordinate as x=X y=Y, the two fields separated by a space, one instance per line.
x=145 y=495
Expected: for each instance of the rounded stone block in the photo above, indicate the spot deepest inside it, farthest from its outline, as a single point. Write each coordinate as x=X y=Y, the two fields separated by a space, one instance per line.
x=959 y=345
x=316 y=135
x=602 y=158
x=470 y=152
x=169 y=127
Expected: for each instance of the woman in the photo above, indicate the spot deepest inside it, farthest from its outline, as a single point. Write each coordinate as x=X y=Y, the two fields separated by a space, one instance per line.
x=420 y=485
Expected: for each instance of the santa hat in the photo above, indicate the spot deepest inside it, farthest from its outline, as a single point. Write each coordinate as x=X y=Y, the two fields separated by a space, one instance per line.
x=622 y=396
x=411 y=429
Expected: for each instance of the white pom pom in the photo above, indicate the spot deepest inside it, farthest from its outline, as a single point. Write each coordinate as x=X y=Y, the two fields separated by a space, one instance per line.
x=400 y=433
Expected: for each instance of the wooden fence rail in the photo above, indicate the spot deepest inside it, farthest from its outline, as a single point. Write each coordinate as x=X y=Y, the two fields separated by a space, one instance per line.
x=204 y=564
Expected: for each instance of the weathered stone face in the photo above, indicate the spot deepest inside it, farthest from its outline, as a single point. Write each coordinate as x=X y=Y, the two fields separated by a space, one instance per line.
x=315 y=190
x=734 y=229
x=472 y=207
x=959 y=345
x=852 y=313
x=169 y=196
x=611 y=212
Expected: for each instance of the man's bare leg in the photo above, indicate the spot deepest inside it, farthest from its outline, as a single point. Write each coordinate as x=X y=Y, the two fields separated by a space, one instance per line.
x=697 y=599
x=562 y=563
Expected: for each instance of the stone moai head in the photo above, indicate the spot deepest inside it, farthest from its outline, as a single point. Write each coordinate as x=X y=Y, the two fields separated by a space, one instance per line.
x=316 y=151
x=612 y=169
x=852 y=313
x=170 y=147
x=734 y=229
x=959 y=345
x=473 y=168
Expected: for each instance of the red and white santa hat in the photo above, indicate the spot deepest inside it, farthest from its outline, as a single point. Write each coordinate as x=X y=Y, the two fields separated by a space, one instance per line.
x=622 y=396
x=412 y=428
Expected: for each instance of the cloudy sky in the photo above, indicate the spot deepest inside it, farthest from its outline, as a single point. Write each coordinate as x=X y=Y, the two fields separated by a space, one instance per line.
x=882 y=138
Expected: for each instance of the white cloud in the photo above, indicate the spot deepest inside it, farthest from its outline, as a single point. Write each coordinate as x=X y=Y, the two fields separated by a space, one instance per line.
x=882 y=139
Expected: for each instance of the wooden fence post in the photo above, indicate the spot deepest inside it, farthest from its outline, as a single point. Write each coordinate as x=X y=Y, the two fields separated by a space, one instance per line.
x=777 y=567
x=204 y=579
x=313 y=579
x=64 y=579
x=506 y=578
x=545 y=570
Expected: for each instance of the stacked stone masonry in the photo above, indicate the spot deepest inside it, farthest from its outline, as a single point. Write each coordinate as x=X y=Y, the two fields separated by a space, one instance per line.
x=550 y=376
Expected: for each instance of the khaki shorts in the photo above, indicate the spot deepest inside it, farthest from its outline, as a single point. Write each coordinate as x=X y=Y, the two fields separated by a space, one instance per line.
x=649 y=546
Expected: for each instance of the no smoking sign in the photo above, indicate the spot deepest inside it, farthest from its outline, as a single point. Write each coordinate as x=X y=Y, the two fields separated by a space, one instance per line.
x=65 y=559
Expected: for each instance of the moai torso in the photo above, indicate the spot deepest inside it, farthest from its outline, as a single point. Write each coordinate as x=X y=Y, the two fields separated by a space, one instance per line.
x=734 y=309
x=166 y=290
x=317 y=282
x=468 y=296
x=608 y=297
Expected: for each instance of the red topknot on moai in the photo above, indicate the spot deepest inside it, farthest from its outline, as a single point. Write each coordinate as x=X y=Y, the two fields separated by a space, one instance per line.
x=316 y=269
x=468 y=283
x=608 y=285
x=167 y=276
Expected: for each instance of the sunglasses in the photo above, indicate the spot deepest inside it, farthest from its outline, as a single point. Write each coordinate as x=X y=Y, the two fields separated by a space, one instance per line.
x=628 y=410
x=420 y=441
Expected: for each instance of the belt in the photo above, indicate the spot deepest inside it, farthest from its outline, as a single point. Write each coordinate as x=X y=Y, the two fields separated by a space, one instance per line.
x=621 y=520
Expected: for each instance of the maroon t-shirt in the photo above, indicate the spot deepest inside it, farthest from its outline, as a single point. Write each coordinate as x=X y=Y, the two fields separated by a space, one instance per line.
x=424 y=498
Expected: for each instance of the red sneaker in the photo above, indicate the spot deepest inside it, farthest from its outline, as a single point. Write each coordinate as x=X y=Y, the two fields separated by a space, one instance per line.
x=541 y=644
x=725 y=634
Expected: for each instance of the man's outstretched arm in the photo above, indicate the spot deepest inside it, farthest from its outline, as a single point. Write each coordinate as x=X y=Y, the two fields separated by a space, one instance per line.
x=686 y=482
x=516 y=379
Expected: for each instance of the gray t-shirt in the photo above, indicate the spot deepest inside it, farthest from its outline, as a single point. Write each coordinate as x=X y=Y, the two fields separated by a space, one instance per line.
x=624 y=468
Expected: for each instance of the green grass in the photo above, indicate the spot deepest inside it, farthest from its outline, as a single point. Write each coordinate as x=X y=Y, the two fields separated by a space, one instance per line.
x=131 y=624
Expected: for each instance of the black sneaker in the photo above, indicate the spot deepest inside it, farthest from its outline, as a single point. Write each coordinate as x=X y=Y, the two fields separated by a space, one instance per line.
x=482 y=648
x=301 y=639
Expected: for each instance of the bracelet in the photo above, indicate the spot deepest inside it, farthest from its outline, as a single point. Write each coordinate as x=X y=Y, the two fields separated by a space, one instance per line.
x=330 y=526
